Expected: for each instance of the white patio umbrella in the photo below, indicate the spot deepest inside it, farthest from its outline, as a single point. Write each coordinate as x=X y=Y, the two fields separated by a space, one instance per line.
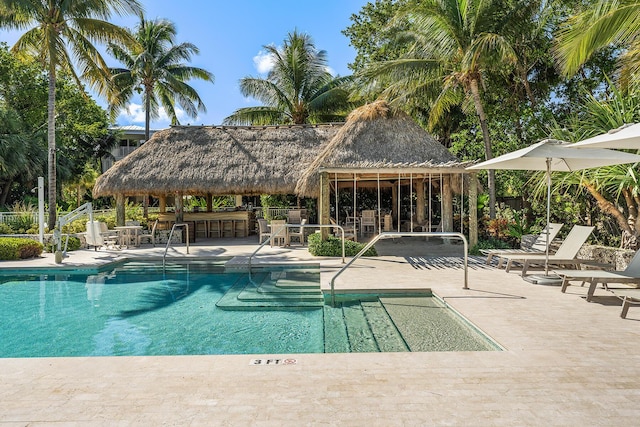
x=624 y=137
x=551 y=155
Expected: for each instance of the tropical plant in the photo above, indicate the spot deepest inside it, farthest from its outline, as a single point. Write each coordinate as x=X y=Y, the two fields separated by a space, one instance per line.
x=59 y=32
x=298 y=89
x=606 y=22
x=454 y=43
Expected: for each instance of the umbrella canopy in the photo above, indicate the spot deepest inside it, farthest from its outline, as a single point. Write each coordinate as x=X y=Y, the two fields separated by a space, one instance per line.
x=551 y=155
x=562 y=158
x=624 y=137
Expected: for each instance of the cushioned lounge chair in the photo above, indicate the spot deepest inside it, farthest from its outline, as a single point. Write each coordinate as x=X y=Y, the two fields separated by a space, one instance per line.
x=539 y=245
x=630 y=275
x=565 y=255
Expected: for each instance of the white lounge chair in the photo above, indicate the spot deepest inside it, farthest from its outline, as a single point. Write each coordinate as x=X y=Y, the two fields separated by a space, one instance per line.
x=539 y=245
x=630 y=275
x=565 y=255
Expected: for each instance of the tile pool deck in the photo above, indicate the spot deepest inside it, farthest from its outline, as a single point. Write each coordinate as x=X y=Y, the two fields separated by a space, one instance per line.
x=566 y=362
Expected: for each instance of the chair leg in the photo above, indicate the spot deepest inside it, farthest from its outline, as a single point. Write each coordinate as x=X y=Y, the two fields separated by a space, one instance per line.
x=625 y=307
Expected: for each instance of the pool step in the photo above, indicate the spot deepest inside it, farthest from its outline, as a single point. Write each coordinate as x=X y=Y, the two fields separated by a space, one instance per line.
x=262 y=292
x=360 y=326
x=427 y=325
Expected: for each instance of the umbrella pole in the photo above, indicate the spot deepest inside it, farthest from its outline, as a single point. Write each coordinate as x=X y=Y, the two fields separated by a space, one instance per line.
x=546 y=261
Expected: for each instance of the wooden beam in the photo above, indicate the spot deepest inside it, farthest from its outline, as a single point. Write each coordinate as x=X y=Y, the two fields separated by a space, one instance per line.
x=447 y=204
x=324 y=202
x=120 y=214
x=473 y=210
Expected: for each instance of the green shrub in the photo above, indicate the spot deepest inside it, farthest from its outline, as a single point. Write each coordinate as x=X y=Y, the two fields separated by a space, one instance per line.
x=73 y=245
x=489 y=244
x=6 y=229
x=12 y=248
x=333 y=247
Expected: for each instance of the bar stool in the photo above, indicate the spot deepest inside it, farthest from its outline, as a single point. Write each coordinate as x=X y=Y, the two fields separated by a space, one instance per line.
x=228 y=227
x=214 y=228
x=201 y=228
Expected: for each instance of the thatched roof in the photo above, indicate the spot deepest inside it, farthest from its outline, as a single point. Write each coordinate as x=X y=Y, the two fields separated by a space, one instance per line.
x=217 y=160
x=377 y=137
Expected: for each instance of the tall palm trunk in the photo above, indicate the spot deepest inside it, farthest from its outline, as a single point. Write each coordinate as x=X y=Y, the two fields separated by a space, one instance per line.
x=147 y=118
x=51 y=146
x=475 y=93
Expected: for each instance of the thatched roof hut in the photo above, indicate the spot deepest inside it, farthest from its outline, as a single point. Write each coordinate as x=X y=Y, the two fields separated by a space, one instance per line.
x=217 y=160
x=377 y=139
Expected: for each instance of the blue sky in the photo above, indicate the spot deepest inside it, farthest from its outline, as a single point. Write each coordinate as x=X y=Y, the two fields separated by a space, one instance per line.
x=230 y=36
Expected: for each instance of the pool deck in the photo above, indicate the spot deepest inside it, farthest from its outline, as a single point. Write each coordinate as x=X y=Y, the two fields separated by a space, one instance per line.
x=566 y=362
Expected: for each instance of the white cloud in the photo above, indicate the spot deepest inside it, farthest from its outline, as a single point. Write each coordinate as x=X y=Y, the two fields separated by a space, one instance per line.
x=263 y=62
x=134 y=113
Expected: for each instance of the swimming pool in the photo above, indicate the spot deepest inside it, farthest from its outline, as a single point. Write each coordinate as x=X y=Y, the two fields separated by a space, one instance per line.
x=138 y=308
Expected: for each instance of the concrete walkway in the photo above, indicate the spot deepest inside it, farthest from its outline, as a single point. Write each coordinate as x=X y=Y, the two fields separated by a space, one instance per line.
x=566 y=362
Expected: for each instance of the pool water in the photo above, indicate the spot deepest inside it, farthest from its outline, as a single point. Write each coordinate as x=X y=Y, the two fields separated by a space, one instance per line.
x=141 y=309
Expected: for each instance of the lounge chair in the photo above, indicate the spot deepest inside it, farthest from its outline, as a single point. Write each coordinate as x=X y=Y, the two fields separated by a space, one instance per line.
x=631 y=274
x=565 y=255
x=539 y=245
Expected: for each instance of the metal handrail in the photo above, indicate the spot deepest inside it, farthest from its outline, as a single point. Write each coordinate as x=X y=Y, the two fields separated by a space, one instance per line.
x=287 y=226
x=403 y=234
x=182 y=224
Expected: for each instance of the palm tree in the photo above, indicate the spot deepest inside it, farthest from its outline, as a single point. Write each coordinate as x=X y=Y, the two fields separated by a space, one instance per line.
x=155 y=66
x=59 y=32
x=606 y=22
x=454 y=44
x=298 y=89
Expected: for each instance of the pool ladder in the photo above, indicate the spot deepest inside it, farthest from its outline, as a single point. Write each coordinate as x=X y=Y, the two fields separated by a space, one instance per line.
x=178 y=225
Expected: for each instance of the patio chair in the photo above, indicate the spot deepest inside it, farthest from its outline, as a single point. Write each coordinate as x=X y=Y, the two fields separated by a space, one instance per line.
x=263 y=230
x=630 y=275
x=368 y=221
x=279 y=232
x=539 y=245
x=349 y=231
x=565 y=255
x=96 y=237
x=151 y=237
x=294 y=217
x=298 y=233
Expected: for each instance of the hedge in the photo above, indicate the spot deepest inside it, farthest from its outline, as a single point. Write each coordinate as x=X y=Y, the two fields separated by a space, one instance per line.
x=12 y=248
x=333 y=247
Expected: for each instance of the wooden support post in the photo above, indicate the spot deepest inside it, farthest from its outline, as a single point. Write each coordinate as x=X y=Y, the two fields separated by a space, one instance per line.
x=120 y=199
x=420 y=202
x=324 y=209
x=179 y=208
x=209 y=199
x=473 y=210
x=447 y=204
x=324 y=204
x=394 y=202
x=162 y=203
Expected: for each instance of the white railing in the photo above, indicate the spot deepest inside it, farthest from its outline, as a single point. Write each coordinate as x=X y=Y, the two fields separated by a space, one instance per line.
x=386 y=235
